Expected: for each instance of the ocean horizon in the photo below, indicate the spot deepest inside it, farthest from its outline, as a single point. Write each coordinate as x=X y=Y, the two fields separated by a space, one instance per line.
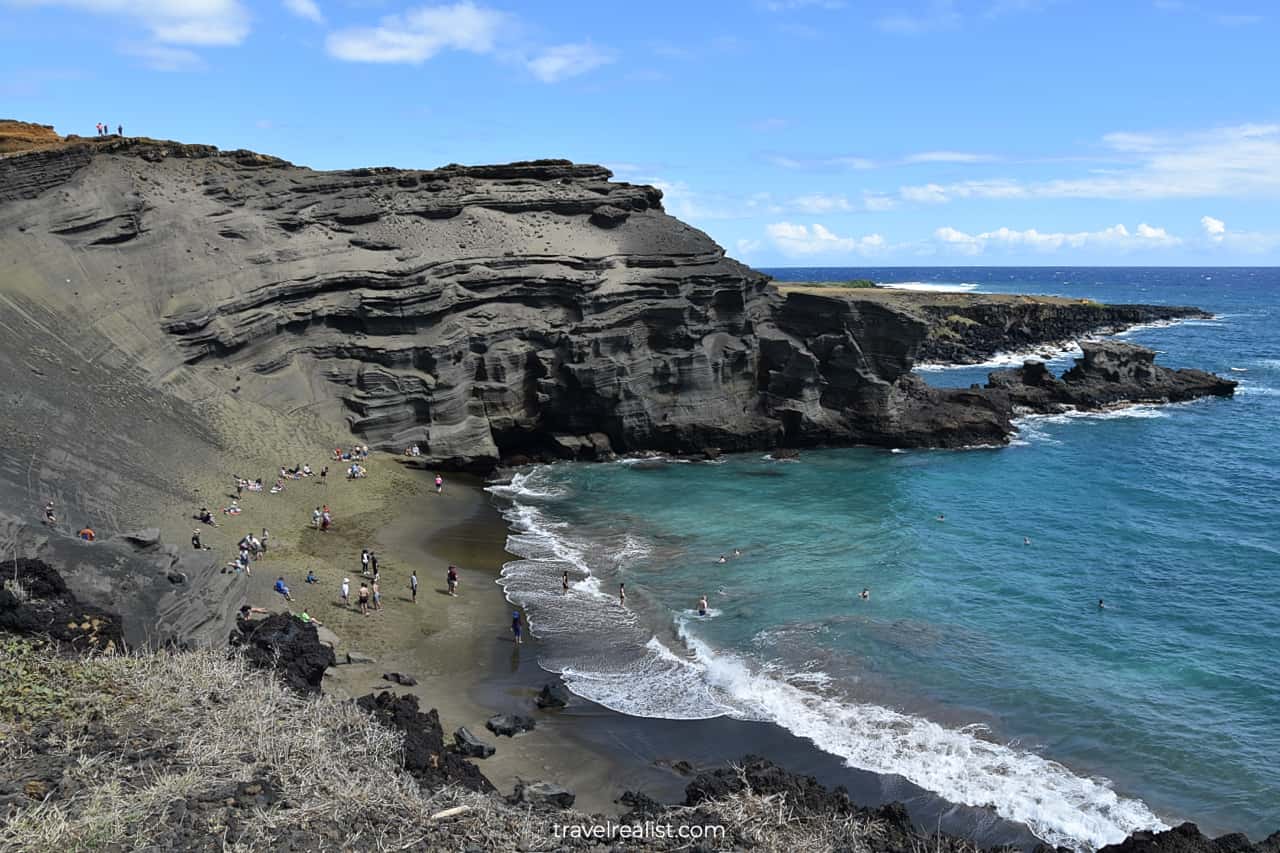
x=981 y=666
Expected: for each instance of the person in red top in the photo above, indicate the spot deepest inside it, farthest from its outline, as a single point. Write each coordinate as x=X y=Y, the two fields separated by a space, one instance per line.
x=86 y=533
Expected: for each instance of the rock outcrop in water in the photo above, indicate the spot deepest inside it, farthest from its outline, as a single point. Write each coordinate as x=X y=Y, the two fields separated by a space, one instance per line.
x=1109 y=373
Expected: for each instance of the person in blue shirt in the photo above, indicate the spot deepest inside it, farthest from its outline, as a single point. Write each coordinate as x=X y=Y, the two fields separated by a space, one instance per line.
x=283 y=589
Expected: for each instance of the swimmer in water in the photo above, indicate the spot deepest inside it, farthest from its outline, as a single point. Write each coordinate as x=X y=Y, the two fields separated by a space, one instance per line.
x=1101 y=605
x=722 y=559
x=702 y=605
x=941 y=517
x=1026 y=540
x=865 y=595
x=737 y=553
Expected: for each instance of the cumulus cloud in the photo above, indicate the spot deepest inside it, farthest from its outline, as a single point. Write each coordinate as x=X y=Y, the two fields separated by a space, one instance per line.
x=1117 y=237
x=567 y=60
x=1214 y=229
x=804 y=240
x=419 y=34
x=1230 y=162
x=189 y=22
x=305 y=9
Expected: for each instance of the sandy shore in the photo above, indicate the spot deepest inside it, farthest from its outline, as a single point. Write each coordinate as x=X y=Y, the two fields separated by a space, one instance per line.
x=451 y=645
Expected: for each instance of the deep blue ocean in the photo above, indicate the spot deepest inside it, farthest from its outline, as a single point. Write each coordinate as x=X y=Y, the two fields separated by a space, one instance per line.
x=981 y=667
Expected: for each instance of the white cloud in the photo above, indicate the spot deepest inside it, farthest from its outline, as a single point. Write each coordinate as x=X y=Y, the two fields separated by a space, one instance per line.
x=947 y=157
x=1117 y=237
x=803 y=240
x=821 y=163
x=1214 y=229
x=420 y=34
x=1229 y=162
x=159 y=57
x=747 y=247
x=190 y=22
x=305 y=9
x=567 y=60
x=877 y=202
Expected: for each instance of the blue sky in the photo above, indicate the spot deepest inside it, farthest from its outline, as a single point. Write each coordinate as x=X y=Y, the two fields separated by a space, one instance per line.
x=795 y=132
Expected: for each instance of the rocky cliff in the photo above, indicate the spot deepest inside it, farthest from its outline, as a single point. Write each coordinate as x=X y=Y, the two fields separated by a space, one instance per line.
x=528 y=310
x=480 y=312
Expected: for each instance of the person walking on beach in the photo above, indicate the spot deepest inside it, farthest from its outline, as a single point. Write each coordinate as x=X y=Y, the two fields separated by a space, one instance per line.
x=315 y=517
x=564 y=582
x=515 y=625
x=439 y=485
x=413 y=586
x=344 y=593
x=324 y=473
x=622 y=594
x=364 y=561
x=373 y=563
x=702 y=605
x=364 y=600
x=452 y=580
x=377 y=596
x=265 y=537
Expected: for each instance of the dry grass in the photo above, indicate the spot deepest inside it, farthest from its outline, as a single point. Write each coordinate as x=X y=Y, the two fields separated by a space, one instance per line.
x=218 y=723
x=23 y=136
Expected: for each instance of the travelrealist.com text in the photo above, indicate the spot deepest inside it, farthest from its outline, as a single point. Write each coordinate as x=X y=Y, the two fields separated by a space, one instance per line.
x=638 y=831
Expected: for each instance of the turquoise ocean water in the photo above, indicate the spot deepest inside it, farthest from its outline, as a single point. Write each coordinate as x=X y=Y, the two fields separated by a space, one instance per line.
x=981 y=667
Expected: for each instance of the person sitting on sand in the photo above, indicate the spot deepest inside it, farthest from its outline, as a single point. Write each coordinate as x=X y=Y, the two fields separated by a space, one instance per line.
x=283 y=589
x=246 y=612
x=311 y=577
x=50 y=517
x=234 y=509
x=195 y=540
x=86 y=533
x=306 y=470
x=702 y=605
x=307 y=619
x=207 y=517
x=363 y=598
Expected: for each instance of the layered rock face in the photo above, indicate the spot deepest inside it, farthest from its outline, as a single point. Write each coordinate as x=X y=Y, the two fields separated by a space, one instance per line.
x=533 y=309
x=1109 y=373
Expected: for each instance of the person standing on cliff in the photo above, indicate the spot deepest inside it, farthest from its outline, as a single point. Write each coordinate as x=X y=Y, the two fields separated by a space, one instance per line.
x=119 y=130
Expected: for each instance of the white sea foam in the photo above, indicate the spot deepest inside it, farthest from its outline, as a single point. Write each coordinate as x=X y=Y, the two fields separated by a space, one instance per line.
x=1046 y=352
x=617 y=661
x=958 y=764
x=932 y=287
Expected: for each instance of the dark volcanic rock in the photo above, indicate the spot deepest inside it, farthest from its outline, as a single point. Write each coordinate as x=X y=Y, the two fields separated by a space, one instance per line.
x=543 y=794
x=1187 y=838
x=34 y=599
x=510 y=725
x=469 y=745
x=399 y=678
x=554 y=695
x=425 y=756
x=1109 y=373
x=287 y=645
x=969 y=331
